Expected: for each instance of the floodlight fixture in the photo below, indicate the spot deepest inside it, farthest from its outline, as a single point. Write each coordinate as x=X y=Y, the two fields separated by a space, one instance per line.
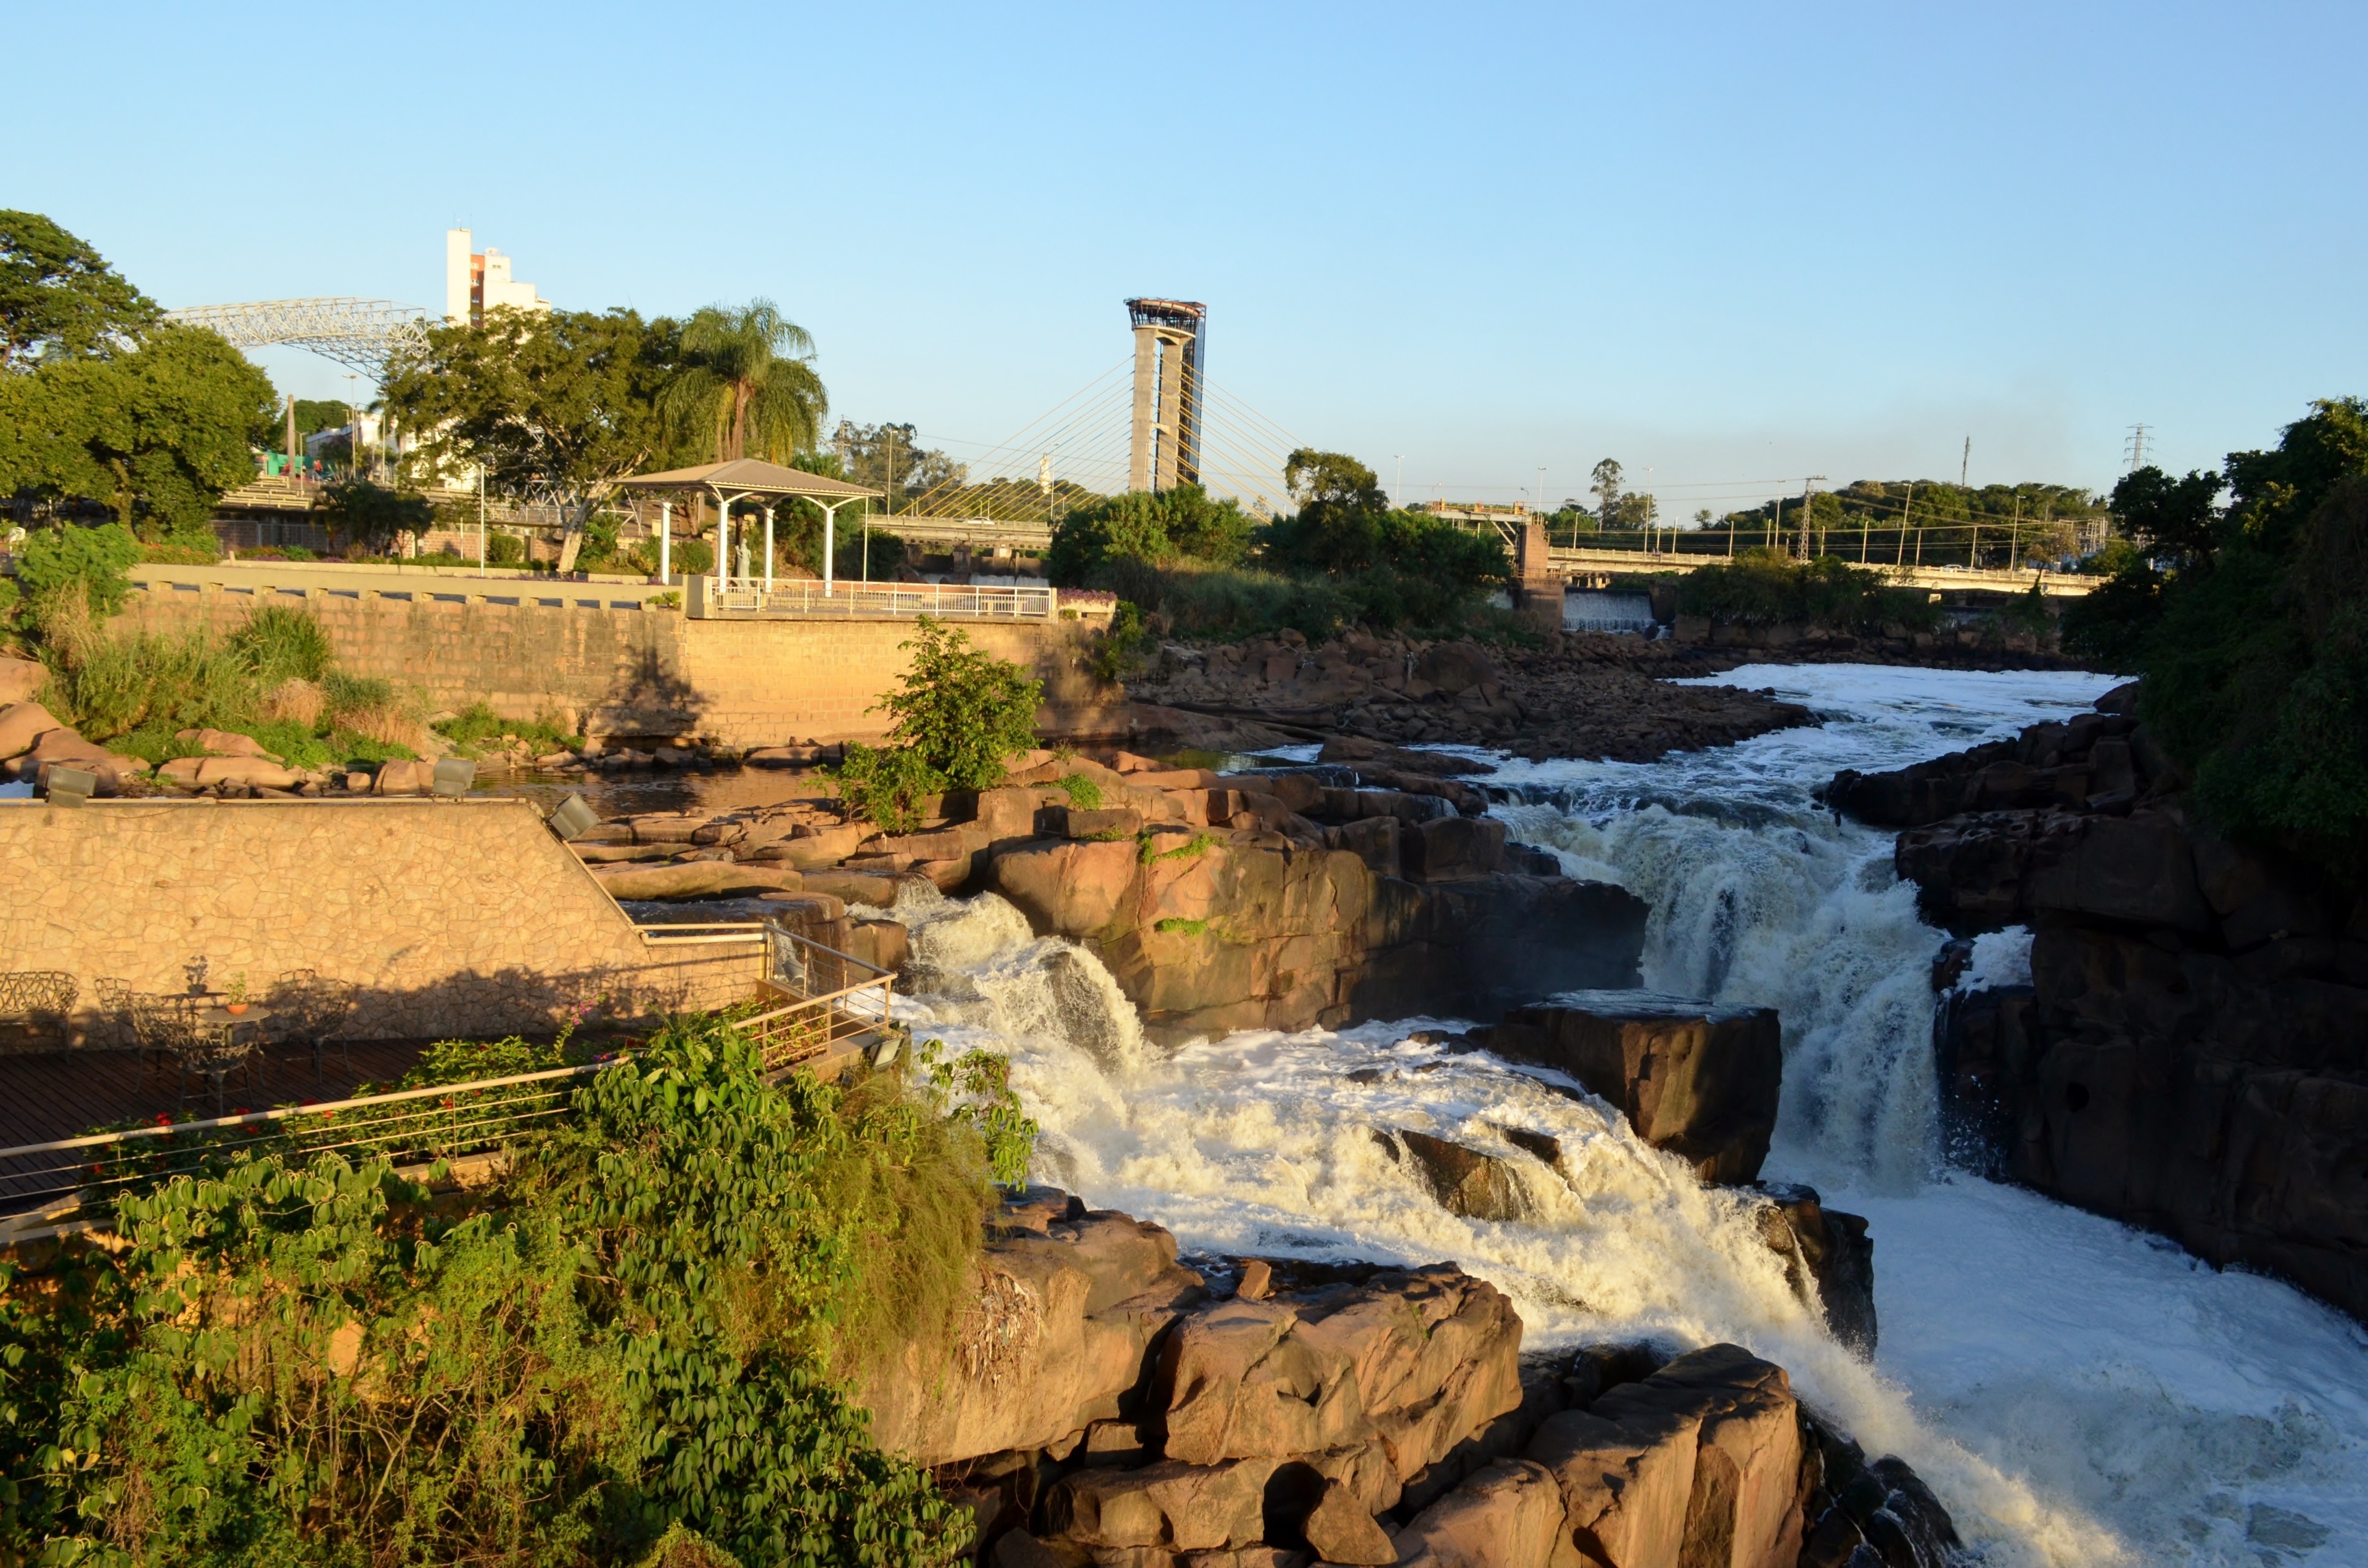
x=69 y=786
x=574 y=819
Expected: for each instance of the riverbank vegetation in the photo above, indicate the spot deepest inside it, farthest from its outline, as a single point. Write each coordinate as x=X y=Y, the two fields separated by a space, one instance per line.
x=2249 y=620
x=1768 y=587
x=652 y=1326
x=1346 y=558
x=959 y=711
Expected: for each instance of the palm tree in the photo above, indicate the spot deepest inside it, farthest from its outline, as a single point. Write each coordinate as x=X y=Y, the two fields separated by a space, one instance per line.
x=747 y=380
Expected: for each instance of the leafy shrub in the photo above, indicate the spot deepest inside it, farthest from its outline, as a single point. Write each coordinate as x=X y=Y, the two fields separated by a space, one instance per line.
x=56 y=560
x=360 y=513
x=1118 y=650
x=1083 y=792
x=1765 y=587
x=885 y=785
x=640 y=1338
x=1150 y=526
x=503 y=549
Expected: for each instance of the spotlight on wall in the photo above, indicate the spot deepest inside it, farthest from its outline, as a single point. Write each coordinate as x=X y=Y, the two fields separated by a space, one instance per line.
x=574 y=819
x=69 y=786
x=453 y=777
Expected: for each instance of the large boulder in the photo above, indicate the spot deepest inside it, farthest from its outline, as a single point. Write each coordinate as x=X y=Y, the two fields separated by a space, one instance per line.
x=1400 y=1368
x=1829 y=1259
x=1700 y=1463
x=1464 y=1180
x=1699 y=1081
x=21 y=680
x=1508 y=1515
x=22 y=723
x=1056 y=1339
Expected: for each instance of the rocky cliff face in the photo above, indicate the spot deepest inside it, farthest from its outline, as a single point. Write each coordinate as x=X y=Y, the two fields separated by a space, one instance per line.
x=1103 y=1404
x=2191 y=1053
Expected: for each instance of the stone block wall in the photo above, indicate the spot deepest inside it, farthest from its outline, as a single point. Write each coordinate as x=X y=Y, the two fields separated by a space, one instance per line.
x=455 y=918
x=642 y=673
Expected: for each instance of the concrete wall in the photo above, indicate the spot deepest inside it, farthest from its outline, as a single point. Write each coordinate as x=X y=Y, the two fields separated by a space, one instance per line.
x=634 y=672
x=461 y=918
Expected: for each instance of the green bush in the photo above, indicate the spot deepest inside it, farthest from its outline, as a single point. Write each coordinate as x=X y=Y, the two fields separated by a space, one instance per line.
x=645 y=1332
x=885 y=785
x=1766 y=587
x=94 y=560
x=1151 y=526
x=503 y=549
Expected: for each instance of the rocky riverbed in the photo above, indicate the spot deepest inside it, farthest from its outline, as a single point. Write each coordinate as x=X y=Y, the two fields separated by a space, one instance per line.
x=2190 y=1049
x=1109 y=1403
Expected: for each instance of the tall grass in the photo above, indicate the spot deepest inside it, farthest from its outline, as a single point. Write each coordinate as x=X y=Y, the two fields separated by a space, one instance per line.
x=274 y=678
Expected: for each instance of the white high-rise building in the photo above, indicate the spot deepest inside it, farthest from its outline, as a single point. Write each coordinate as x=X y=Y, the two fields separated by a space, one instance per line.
x=478 y=281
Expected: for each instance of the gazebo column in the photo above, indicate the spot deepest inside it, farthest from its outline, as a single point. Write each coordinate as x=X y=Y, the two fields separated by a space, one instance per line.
x=723 y=541
x=829 y=540
x=666 y=543
x=769 y=550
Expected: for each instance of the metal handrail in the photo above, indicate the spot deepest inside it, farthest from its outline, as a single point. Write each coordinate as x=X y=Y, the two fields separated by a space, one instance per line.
x=806 y=596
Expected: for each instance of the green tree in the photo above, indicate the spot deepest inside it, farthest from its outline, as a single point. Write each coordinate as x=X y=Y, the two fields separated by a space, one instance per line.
x=373 y=516
x=153 y=432
x=745 y=386
x=564 y=403
x=2251 y=628
x=1154 y=526
x=959 y=711
x=58 y=295
x=1608 y=480
x=88 y=561
x=1340 y=507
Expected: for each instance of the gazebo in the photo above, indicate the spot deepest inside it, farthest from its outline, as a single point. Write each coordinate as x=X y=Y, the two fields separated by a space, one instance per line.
x=746 y=479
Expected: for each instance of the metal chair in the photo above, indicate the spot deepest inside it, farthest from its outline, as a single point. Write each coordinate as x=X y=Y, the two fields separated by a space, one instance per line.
x=36 y=999
x=308 y=1010
x=170 y=1025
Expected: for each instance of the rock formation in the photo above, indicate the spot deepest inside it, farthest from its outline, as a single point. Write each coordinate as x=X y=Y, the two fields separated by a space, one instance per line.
x=1699 y=1081
x=2192 y=1054
x=1103 y=1405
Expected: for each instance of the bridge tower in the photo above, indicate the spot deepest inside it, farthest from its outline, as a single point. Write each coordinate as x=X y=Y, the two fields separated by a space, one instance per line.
x=1171 y=344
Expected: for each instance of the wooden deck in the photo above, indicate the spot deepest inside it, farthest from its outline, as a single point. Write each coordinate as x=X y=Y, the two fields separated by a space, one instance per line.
x=65 y=1093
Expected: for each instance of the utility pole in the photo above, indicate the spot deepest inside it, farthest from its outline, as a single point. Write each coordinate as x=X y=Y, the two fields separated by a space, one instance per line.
x=1964 y=464
x=2014 y=539
x=1900 y=556
x=1808 y=489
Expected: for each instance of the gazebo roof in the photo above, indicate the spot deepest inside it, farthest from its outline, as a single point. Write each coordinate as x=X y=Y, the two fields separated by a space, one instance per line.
x=750 y=476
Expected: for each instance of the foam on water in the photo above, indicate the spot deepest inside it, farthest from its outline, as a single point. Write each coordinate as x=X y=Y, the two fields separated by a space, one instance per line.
x=2076 y=1391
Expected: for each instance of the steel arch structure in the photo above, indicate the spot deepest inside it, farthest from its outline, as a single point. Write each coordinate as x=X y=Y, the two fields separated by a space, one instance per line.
x=363 y=334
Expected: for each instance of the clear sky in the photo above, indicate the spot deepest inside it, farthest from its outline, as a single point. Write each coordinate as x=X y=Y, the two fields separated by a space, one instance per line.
x=1732 y=245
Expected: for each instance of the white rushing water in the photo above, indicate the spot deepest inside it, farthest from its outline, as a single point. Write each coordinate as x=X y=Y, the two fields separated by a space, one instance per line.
x=2076 y=1391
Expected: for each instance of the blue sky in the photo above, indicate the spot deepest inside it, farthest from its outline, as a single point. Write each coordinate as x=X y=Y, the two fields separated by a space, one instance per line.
x=1732 y=245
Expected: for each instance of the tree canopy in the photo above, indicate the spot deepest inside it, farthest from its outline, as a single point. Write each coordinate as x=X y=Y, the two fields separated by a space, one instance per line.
x=58 y=295
x=1156 y=526
x=103 y=404
x=2249 y=623
x=744 y=385
x=566 y=403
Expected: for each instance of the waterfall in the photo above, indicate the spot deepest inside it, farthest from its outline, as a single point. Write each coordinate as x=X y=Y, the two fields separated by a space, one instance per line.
x=2076 y=1393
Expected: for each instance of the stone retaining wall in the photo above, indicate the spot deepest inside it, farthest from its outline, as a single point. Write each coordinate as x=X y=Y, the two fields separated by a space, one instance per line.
x=633 y=672
x=455 y=918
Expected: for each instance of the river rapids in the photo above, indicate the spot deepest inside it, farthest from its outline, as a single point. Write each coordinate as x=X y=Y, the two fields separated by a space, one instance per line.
x=2076 y=1391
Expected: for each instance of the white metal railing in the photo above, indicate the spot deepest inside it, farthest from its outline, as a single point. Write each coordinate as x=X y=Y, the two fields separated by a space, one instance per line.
x=805 y=599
